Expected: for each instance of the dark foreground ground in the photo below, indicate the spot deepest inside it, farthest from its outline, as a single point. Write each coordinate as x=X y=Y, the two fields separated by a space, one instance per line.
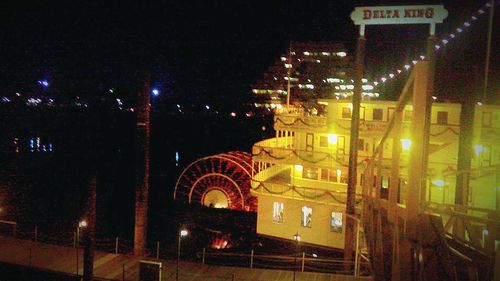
x=10 y=272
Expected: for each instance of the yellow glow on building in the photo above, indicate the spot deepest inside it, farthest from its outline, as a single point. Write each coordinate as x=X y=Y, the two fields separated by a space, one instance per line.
x=333 y=138
x=309 y=158
x=478 y=149
x=406 y=144
x=439 y=183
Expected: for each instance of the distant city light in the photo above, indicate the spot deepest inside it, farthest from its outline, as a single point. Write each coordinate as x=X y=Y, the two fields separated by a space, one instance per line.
x=207 y=106
x=82 y=224
x=155 y=92
x=111 y=90
x=233 y=114
x=341 y=54
x=44 y=83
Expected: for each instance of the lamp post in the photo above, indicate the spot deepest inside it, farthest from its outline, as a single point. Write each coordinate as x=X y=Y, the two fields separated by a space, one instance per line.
x=182 y=233
x=81 y=224
x=296 y=237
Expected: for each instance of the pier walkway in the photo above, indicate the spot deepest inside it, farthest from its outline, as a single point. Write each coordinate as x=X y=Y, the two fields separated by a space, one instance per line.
x=108 y=266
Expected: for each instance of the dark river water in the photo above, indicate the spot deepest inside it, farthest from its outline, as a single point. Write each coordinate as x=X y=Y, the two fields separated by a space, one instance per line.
x=48 y=154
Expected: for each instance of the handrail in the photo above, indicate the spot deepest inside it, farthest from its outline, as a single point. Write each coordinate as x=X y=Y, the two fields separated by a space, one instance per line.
x=463 y=207
x=460 y=214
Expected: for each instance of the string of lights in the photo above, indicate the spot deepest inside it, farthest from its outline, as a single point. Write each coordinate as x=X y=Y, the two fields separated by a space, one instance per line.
x=439 y=46
x=300 y=191
x=269 y=152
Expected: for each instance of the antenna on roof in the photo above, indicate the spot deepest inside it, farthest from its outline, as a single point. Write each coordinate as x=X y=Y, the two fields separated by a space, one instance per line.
x=289 y=70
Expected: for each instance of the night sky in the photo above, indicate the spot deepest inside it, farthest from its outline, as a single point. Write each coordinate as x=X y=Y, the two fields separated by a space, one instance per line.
x=212 y=49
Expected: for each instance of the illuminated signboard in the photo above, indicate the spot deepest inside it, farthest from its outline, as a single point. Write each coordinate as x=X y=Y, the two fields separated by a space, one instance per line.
x=416 y=14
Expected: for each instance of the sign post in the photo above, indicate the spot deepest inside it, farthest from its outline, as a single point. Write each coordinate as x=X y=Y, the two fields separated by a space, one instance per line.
x=384 y=15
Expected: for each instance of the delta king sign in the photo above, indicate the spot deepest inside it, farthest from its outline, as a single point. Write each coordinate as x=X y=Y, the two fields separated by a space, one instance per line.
x=415 y=14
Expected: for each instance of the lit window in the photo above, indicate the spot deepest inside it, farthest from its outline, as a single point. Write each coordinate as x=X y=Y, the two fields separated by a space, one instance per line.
x=378 y=114
x=323 y=141
x=278 y=212
x=346 y=112
x=442 y=117
x=310 y=173
x=333 y=80
x=336 y=222
x=306 y=218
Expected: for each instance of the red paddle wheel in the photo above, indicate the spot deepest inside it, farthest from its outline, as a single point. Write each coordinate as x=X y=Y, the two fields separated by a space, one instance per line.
x=219 y=181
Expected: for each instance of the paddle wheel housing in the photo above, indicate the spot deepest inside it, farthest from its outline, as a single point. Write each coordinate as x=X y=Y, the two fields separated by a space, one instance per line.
x=219 y=181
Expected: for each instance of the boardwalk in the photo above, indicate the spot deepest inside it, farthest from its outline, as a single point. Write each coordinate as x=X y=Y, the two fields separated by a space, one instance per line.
x=118 y=267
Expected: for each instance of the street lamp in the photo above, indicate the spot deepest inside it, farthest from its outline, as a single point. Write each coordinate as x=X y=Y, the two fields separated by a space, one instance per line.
x=81 y=224
x=296 y=237
x=182 y=233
